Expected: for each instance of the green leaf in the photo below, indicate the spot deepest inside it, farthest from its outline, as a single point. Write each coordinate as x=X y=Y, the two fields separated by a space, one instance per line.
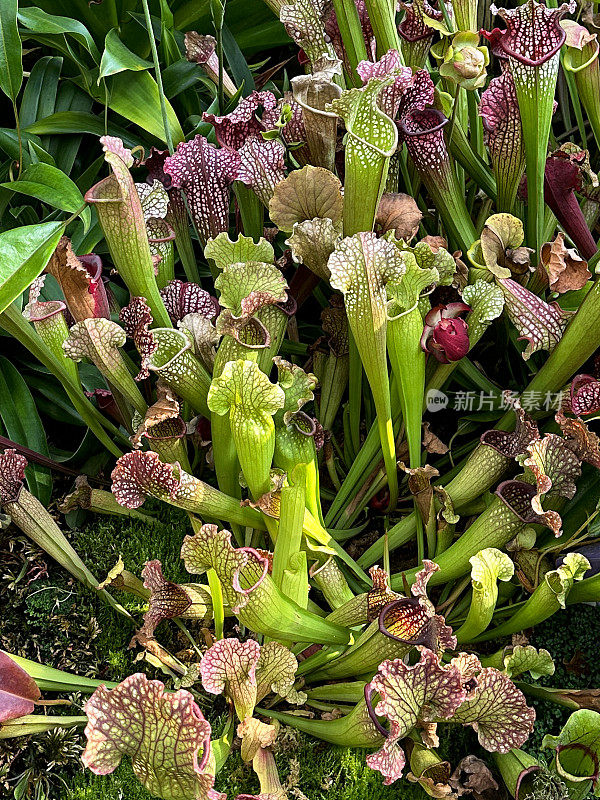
x=64 y=151
x=9 y=144
x=51 y=186
x=38 y=154
x=119 y=58
x=80 y=122
x=134 y=95
x=11 y=63
x=24 y=252
x=253 y=24
x=52 y=400
x=166 y=14
x=23 y=425
x=179 y=76
x=38 y=21
x=39 y=95
x=237 y=63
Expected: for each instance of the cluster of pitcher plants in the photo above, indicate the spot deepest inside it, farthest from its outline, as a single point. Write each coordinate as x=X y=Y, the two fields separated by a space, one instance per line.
x=353 y=574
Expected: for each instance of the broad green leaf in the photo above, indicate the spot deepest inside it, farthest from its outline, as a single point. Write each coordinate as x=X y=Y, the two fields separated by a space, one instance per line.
x=11 y=64
x=134 y=95
x=181 y=75
x=52 y=400
x=39 y=95
x=38 y=21
x=24 y=252
x=9 y=144
x=117 y=57
x=79 y=122
x=38 y=154
x=51 y=186
x=64 y=151
x=23 y=425
x=166 y=15
x=254 y=25
x=239 y=66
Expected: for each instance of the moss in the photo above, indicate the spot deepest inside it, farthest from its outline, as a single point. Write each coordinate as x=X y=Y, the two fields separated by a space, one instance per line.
x=571 y=637
x=104 y=539
x=122 y=783
x=319 y=772
x=101 y=544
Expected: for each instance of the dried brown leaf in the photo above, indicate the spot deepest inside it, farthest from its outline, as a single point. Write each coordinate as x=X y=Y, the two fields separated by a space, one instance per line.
x=398 y=212
x=567 y=271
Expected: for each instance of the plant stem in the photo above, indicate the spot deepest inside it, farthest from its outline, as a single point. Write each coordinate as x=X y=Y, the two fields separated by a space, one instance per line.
x=475 y=123
x=19 y=137
x=447 y=20
x=383 y=19
x=216 y=593
x=219 y=51
x=354 y=394
x=352 y=35
x=408 y=365
x=157 y=72
x=289 y=564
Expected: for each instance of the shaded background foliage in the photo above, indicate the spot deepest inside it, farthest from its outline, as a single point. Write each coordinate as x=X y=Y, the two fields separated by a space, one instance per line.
x=87 y=72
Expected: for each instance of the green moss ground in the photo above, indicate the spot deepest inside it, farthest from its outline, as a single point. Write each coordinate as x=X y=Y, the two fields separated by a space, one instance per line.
x=322 y=774
x=56 y=621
